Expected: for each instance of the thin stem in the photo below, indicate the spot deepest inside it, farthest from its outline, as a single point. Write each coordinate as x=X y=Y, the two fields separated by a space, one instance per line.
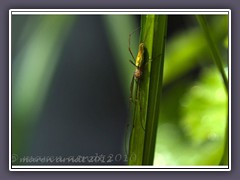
x=214 y=51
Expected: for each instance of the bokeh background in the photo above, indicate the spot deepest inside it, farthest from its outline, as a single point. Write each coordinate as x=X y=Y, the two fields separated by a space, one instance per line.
x=71 y=83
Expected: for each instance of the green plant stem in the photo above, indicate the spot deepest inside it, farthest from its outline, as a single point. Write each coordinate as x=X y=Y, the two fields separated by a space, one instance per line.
x=146 y=109
x=155 y=87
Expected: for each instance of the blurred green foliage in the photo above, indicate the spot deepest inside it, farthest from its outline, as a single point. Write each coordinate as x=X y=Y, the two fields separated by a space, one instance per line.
x=186 y=49
x=194 y=114
x=204 y=109
x=197 y=137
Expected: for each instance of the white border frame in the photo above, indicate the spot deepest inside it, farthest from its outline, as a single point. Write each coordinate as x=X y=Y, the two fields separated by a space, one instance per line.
x=119 y=11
